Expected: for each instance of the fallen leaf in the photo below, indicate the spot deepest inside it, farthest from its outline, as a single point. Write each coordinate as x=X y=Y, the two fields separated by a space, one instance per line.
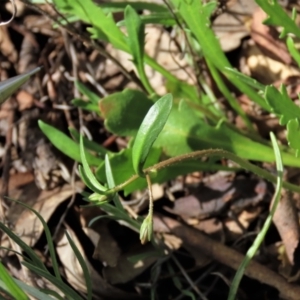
x=28 y=226
x=287 y=223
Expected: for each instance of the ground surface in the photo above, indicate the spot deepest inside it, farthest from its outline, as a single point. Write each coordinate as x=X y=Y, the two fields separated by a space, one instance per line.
x=211 y=217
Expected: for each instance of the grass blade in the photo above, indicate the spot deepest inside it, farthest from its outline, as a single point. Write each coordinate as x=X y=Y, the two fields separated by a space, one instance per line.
x=260 y=237
x=84 y=267
x=10 y=285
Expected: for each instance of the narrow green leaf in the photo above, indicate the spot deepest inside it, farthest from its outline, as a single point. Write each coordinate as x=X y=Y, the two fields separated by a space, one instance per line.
x=246 y=79
x=293 y=135
x=111 y=183
x=278 y=17
x=137 y=5
x=281 y=104
x=9 y=86
x=136 y=36
x=88 y=144
x=149 y=130
x=10 y=285
x=38 y=294
x=84 y=267
x=104 y=26
x=66 y=145
x=293 y=50
x=86 y=105
x=89 y=174
x=49 y=241
x=121 y=164
x=135 y=30
x=30 y=253
x=260 y=237
x=69 y=292
x=87 y=181
x=83 y=89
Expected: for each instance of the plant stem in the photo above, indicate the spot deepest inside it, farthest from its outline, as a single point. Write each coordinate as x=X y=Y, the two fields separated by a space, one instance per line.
x=208 y=153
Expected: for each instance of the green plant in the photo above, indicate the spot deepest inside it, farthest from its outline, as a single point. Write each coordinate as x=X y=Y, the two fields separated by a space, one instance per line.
x=181 y=130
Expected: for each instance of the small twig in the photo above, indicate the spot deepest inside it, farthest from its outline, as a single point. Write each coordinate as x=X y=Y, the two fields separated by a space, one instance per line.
x=188 y=279
x=6 y=161
x=14 y=12
x=231 y=258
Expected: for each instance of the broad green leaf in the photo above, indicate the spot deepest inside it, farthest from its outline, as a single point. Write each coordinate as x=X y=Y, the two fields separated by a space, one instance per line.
x=149 y=130
x=124 y=111
x=184 y=132
x=66 y=145
x=278 y=17
x=87 y=174
x=281 y=104
x=9 y=86
x=293 y=134
x=10 y=285
x=121 y=163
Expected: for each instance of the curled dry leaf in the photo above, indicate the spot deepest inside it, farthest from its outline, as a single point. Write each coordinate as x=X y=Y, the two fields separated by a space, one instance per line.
x=231 y=26
x=74 y=271
x=7 y=48
x=287 y=223
x=28 y=226
x=126 y=269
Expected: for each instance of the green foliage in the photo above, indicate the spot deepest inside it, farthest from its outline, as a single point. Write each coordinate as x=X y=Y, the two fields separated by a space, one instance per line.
x=149 y=130
x=166 y=135
x=66 y=145
x=281 y=104
x=87 y=175
x=9 y=86
x=278 y=17
x=293 y=134
x=125 y=108
x=10 y=285
x=121 y=164
x=35 y=264
x=260 y=237
x=136 y=35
